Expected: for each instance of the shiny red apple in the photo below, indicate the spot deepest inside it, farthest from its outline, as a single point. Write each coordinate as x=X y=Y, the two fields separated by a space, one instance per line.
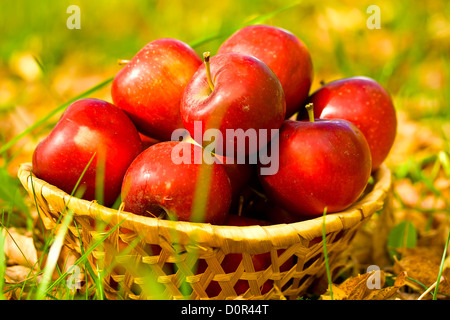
x=322 y=163
x=149 y=88
x=172 y=178
x=283 y=52
x=88 y=127
x=236 y=95
x=365 y=103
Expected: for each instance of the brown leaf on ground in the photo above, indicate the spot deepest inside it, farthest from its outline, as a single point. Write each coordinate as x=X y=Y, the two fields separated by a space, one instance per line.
x=360 y=287
x=338 y=293
x=355 y=287
x=19 y=248
x=388 y=292
x=444 y=286
x=421 y=265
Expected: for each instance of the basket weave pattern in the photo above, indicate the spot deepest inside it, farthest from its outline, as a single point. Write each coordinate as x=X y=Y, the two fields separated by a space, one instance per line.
x=165 y=253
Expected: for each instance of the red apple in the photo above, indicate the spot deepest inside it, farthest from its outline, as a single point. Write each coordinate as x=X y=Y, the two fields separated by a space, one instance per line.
x=283 y=52
x=88 y=127
x=158 y=182
x=322 y=163
x=234 y=94
x=149 y=88
x=365 y=103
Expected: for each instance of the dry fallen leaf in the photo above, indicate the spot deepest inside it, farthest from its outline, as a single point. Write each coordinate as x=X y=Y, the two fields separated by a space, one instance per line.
x=444 y=286
x=19 y=248
x=338 y=294
x=18 y=273
x=388 y=292
x=423 y=266
x=355 y=287
x=359 y=288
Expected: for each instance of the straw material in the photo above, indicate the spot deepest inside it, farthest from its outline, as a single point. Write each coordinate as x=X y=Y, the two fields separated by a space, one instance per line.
x=161 y=256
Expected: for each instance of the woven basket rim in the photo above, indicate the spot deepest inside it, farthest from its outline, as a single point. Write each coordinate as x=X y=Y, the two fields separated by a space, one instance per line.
x=232 y=238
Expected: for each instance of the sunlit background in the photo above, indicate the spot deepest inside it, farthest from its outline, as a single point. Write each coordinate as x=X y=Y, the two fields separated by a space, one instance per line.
x=43 y=63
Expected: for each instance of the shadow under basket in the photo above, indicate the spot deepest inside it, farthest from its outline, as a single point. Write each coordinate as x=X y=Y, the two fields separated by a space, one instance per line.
x=150 y=258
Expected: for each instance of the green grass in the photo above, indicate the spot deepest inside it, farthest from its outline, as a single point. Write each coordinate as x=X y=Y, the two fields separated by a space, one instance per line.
x=325 y=254
x=55 y=248
x=2 y=263
x=441 y=268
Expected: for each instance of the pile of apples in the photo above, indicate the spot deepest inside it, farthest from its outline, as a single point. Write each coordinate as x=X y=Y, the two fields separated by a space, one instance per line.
x=329 y=142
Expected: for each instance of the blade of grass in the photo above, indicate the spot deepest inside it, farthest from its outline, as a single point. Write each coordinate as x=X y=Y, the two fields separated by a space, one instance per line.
x=100 y=176
x=111 y=266
x=417 y=282
x=441 y=268
x=56 y=246
x=2 y=264
x=48 y=241
x=272 y=14
x=445 y=162
x=83 y=258
x=325 y=253
x=38 y=212
x=53 y=255
x=99 y=284
x=64 y=267
x=87 y=266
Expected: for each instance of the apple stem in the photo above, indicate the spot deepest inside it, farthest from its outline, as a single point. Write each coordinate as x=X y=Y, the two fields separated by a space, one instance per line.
x=310 y=108
x=122 y=61
x=206 y=56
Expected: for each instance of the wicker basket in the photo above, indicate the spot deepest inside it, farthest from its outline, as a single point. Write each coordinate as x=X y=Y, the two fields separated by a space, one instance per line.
x=170 y=269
